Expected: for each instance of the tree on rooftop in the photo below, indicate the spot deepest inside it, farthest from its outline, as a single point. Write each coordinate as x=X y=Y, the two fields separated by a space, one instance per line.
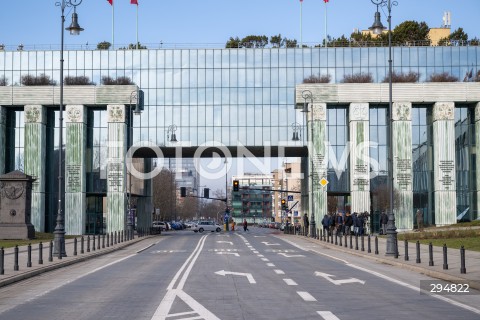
x=410 y=31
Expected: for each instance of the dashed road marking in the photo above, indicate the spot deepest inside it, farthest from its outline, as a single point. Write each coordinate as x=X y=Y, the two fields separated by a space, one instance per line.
x=270 y=264
x=327 y=315
x=278 y=271
x=290 y=282
x=306 y=296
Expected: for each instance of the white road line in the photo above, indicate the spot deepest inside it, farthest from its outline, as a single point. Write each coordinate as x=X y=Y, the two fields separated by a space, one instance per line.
x=265 y=259
x=270 y=265
x=151 y=245
x=290 y=282
x=260 y=256
x=179 y=272
x=306 y=296
x=255 y=251
x=278 y=271
x=327 y=315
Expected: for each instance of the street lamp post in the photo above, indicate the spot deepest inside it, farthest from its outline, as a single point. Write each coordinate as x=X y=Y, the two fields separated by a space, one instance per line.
x=307 y=95
x=74 y=28
x=134 y=96
x=377 y=28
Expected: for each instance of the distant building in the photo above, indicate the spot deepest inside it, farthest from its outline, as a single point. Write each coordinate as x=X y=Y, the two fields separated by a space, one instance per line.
x=253 y=201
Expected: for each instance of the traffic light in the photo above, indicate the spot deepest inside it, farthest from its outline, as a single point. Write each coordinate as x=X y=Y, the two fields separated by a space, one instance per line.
x=236 y=185
x=206 y=193
x=183 y=192
x=284 y=204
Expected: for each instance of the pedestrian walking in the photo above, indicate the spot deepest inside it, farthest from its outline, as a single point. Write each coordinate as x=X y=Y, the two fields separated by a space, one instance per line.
x=306 y=223
x=245 y=225
x=348 y=224
x=419 y=220
x=383 y=222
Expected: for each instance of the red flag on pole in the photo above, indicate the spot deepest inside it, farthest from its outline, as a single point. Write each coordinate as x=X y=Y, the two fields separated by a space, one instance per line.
x=325 y=1
x=134 y=2
x=110 y=1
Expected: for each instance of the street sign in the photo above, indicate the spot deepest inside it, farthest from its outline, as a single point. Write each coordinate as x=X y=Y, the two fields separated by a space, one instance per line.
x=290 y=198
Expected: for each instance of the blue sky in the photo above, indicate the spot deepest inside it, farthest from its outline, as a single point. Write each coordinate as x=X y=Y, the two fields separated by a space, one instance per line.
x=37 y=22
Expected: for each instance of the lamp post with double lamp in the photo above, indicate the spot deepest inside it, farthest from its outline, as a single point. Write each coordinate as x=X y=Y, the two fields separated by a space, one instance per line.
x=377 y=28
x=308 y=96
x=74 y=28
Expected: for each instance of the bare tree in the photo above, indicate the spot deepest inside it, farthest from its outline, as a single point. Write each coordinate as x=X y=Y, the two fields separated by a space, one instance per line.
x=164 y=193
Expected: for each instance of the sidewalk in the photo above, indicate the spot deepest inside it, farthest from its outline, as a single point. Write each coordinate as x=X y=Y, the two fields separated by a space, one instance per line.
x=24 y=272
x=452 y=274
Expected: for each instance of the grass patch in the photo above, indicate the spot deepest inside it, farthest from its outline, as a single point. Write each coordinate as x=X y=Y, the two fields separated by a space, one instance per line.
x=39 y=237
x=467 y=237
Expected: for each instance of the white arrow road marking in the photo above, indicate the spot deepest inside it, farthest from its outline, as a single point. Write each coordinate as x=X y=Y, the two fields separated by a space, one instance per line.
x=292 y=256
x=270 y=244
x=338 y=282
x=225 y=242
x=234 y=253
x=248 y=275
x=327 y=315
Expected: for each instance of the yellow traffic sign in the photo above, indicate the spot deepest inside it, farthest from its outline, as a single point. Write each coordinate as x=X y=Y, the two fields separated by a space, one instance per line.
x=323 y=182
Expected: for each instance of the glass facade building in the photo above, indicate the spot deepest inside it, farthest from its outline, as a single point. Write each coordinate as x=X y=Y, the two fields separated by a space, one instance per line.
x=247 y=97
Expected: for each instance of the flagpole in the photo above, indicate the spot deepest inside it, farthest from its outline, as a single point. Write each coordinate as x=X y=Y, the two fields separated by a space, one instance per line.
x=301 y=38
x=137 y=26
x=113 y=25
x=325 y=23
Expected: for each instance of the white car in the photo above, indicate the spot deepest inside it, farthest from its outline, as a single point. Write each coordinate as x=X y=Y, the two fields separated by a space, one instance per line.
x=159 y=224
x=206 y=226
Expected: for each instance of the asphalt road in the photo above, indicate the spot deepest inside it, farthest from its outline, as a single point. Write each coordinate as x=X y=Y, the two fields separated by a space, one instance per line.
x=258 y=274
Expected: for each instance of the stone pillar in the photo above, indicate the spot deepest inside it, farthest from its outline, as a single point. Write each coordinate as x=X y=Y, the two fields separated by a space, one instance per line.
x=35 y=145
x=318 y=154
x=75 y=170
x=402 y=165
x=144 y=204
x=477 y=159
x=3 y=133
x=116 y=170
x=359 y=157
x=444 y=163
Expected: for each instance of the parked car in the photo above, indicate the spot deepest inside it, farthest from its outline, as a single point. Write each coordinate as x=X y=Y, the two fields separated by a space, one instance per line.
x=201 y=226
x=160 y=224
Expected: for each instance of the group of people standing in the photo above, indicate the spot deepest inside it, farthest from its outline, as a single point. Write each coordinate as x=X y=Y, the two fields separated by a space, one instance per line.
x=345 y=223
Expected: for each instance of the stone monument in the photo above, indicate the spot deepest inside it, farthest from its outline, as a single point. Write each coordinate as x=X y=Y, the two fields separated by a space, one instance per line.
x=15 y=206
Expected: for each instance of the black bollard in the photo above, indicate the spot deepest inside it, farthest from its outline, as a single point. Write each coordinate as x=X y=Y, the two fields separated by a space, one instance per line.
x=75 y=246
x=108 y=240
x=325 y=235
x=103 y=241
x=418 y=252
x=93 y=243
x=351 y=243
x=430 y=254
x=336 y=239
x=362 y=247
x=88 y=243
x=82 y=240
x=341 y=236
x=445 y=263
x=115 y=242
x=369 y=244
x=29 y=256
x=462 y=260
x=15 y=264
x=2 y=261
x=98 y=242
x=346 y=238
x=321 y=234
x=406 y=250
x=356 y=242
x=396 y=249
x=123 y=233
x=40 y=253
x=376 y=245
x=111 y=238
x=50 y=251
